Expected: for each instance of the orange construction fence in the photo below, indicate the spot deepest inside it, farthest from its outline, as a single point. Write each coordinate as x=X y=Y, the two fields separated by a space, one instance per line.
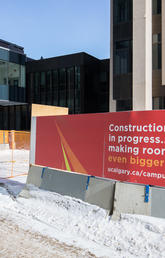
x=15 y=160
x=15 y=139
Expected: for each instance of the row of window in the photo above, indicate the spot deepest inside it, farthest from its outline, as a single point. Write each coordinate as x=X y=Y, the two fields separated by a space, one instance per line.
x=9 y=56
x=122 y=10
x=123 y=55
x=12 y=74
x=60 y=87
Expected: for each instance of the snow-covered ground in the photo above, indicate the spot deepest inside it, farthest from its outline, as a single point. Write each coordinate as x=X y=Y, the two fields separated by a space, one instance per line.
x=77 y=224
x=13 y=162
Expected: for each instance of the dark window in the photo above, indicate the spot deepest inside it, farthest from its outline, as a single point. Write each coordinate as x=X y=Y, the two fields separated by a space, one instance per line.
x=70 y=89
x=5 y=118
x=36 y=87
x=18 y=118
x=49 y=88
x=1 y=118
x=122 y=11
x=123 y=105
x=123 y=57
x=156 y=51
x=25 y=118
x=156 y=6
x=77 y=90
x=43 y=88
x=16 y=58
x=12 y=118
x=55 y=87
x=62 y=87
x=158 y=102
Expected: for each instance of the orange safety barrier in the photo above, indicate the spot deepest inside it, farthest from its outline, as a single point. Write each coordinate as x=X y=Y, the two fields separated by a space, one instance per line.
x=4 y=137
x=14 y=158
x=19 y=140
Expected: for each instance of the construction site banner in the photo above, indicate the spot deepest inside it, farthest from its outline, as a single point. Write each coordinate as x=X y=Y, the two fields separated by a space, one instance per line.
x=124 y=146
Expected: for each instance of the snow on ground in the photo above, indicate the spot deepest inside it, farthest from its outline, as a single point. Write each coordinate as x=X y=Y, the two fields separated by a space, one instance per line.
x=20 y=162
x=81 y=225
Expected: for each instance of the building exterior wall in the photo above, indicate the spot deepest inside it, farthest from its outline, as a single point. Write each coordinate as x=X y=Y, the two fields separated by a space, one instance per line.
x=12 y=73
x=142 y=24
x=142 y=55
x=79 y=82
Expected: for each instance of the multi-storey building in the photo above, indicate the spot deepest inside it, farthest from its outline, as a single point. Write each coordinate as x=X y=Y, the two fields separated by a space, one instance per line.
x=12 y=85
x=78 y=81
x=137 y=55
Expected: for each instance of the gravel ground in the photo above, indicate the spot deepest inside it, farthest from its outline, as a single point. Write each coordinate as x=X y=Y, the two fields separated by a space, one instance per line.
x=16 y=242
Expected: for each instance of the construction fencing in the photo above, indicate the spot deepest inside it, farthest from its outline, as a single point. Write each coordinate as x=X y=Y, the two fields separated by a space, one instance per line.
x=14 y=153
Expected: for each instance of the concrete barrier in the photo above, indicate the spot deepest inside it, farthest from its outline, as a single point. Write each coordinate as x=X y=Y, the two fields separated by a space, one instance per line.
x=116 y=197
x=100 y=192
x=90 y=189
x=158 y=202
x=65 y=183
x=34 y=175
x=130 y=198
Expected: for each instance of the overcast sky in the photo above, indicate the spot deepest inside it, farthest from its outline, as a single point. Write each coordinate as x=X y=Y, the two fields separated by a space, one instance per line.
x=51 y=28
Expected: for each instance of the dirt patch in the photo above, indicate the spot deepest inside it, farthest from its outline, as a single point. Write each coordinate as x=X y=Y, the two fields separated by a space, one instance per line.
x=19 y=243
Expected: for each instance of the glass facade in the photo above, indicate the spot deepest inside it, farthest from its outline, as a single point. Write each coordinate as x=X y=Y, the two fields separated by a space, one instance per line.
x=15 y=117
x=12 y=76
x=122 y=11
x=59 y=87
x=156 y=51
x=123 y=57
x=156 y=6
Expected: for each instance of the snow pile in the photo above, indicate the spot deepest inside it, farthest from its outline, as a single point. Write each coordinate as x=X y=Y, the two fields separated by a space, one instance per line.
x=83 y=225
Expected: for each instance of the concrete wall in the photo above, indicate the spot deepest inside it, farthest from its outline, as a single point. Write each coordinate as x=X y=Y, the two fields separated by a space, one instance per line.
x=163 y=42
x=142 y=55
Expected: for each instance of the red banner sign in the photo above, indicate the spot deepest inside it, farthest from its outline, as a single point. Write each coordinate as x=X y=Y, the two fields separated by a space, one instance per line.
x=125 y=146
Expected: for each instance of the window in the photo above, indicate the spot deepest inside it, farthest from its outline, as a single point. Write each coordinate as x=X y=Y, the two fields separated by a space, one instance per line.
x=77 y=89
x=156 y=6
x=123 y=57
x=70 y=89
x=62 y=87
x=156 y=51
x=55 y=87
x=36 y=86
x=158 y=102
x=43 y=87
x=3 y=73
x=49 y=88
x=4 y=54
x=122 y=11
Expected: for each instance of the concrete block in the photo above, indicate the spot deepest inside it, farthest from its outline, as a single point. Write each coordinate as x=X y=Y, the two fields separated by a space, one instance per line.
x=34 y=175
x=129 y=198
x=65 y=183
x=158 y=202
x=100 y=192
